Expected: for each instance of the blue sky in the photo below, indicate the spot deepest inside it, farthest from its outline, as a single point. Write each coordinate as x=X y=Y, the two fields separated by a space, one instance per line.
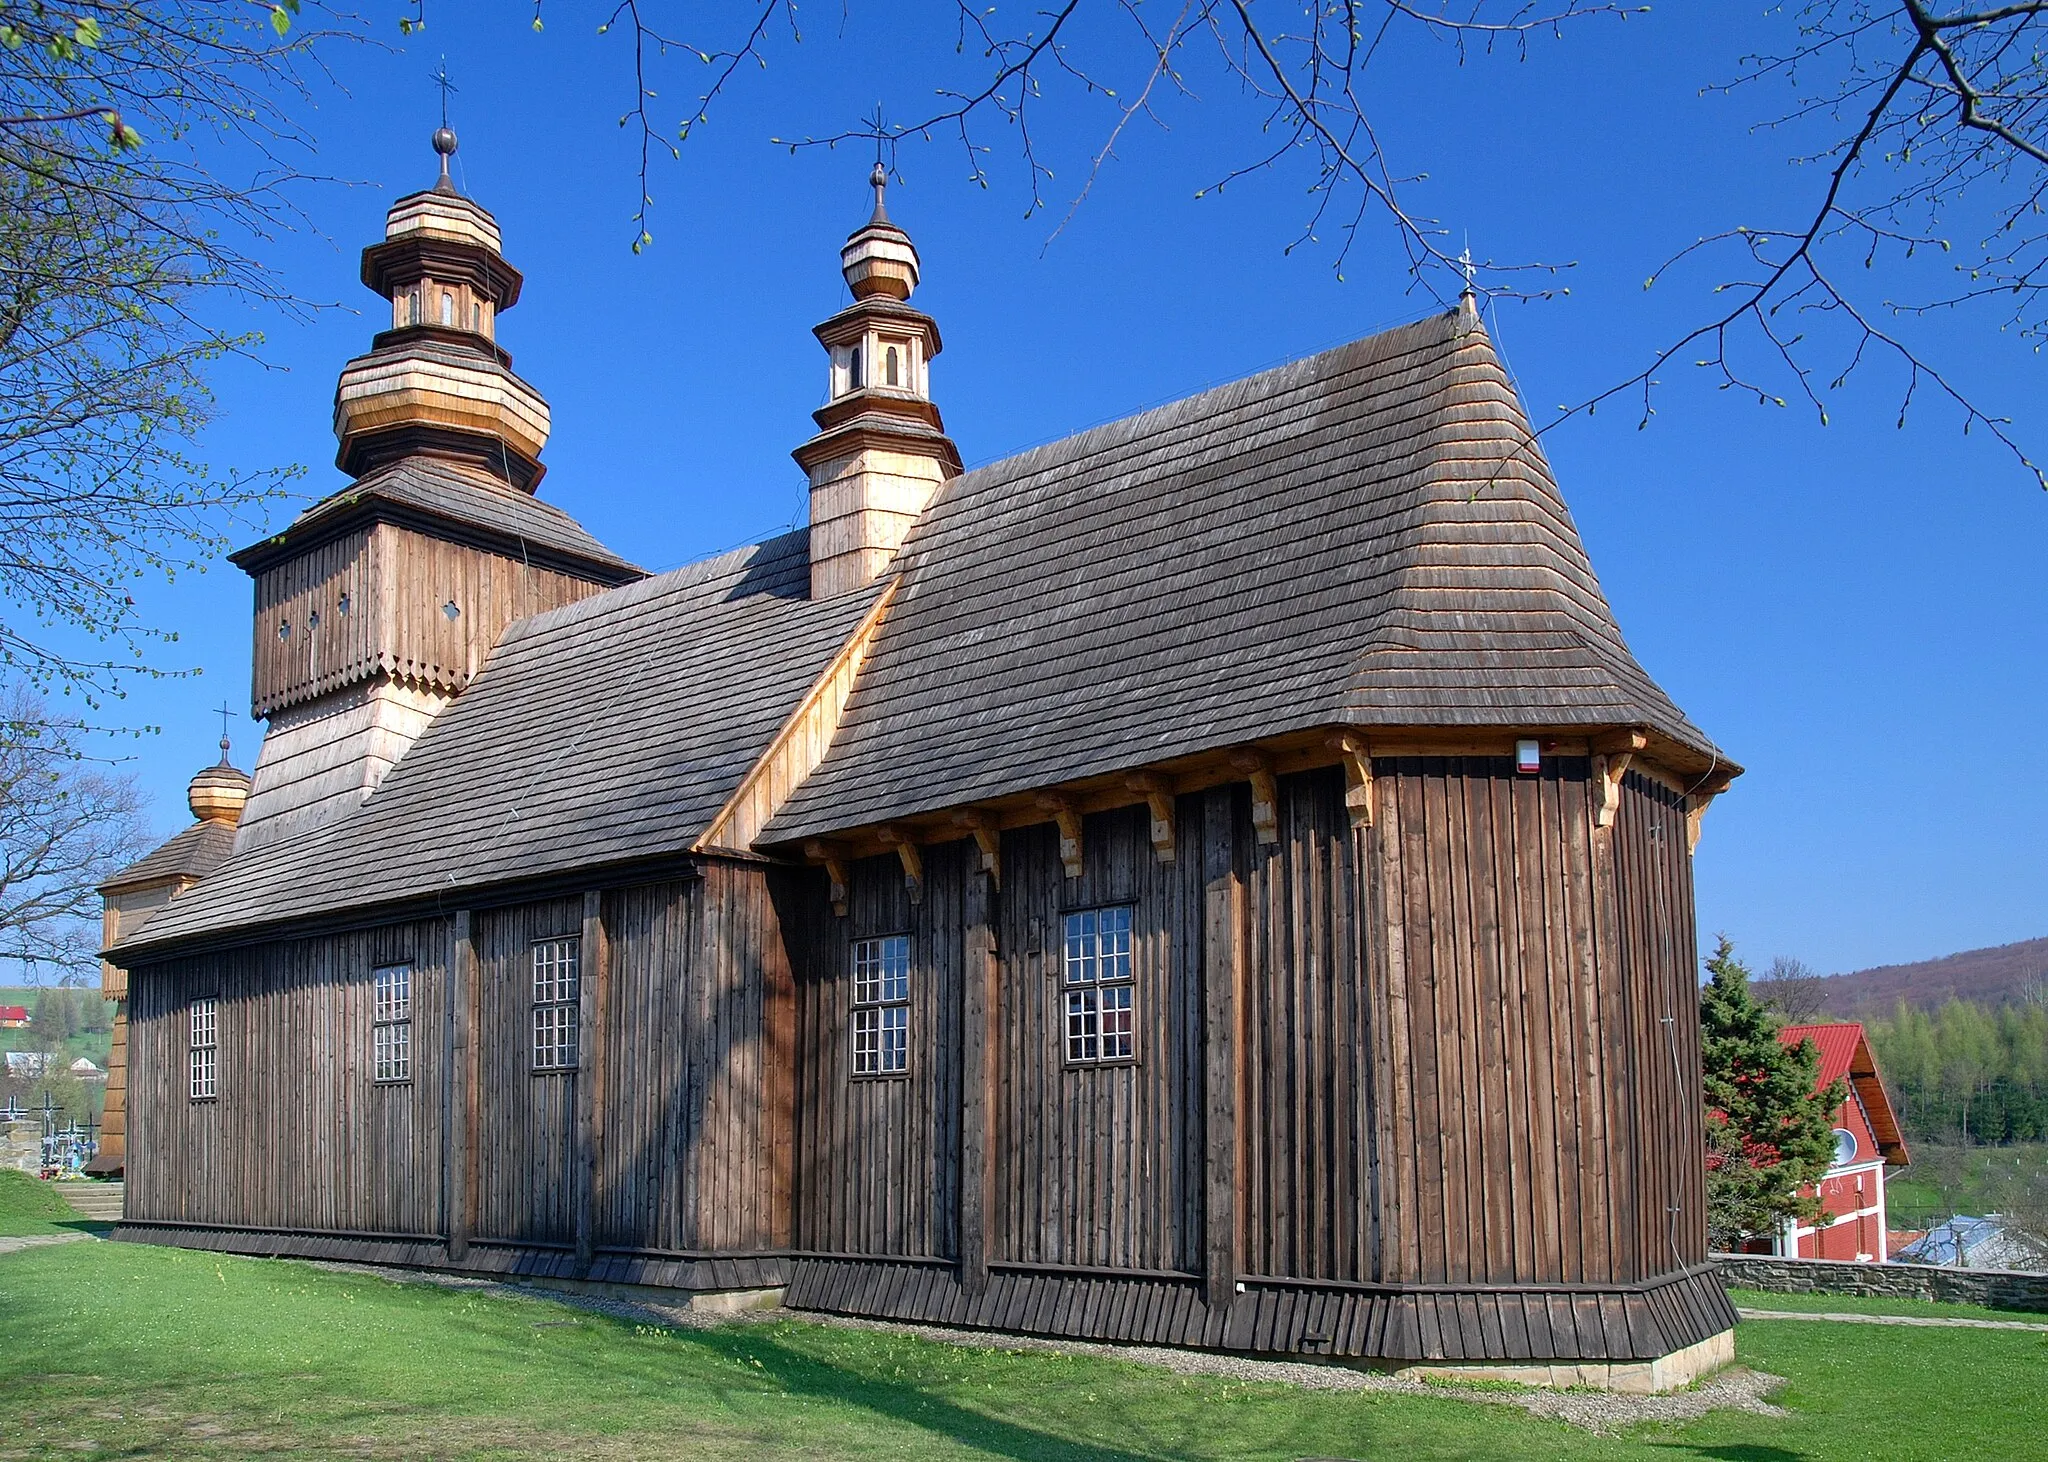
x=1856 y=613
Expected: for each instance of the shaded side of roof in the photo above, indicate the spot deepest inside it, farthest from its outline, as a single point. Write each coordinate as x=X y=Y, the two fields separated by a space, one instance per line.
x=193 y=852
x=1367 y=537
x=604 y=732
x=1845 y=1055
x=504 y=517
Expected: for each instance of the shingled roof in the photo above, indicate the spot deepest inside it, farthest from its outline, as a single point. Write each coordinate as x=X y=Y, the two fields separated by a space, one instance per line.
x=605 y=732
x=499 y=516
x=192 y=852
x=1370 y=537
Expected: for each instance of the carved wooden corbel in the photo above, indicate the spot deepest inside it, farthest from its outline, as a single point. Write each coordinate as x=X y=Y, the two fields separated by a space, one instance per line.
x=1357 y=757
x=1265 y=794
x=1069 y=822
x=908 y=855
x=1693 y=814
x=1158 y=795
x=834 y=870
x=1610 y=769
x=987 y=837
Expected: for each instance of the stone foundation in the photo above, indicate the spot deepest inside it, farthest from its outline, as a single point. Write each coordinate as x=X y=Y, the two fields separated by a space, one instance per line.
x=1636 y=1378
x=1999 y=1289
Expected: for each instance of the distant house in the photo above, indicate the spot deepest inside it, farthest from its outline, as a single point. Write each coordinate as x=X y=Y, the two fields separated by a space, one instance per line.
x=29 y=1064
x=13 y=1017
x=1867 y=1138
x=84 y=1070
x=1969 y=1242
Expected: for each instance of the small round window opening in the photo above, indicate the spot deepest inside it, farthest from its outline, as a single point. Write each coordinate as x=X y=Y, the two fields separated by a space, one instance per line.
x=284 y=629
x=313 y=620
x=341 y=605
x=452 y=610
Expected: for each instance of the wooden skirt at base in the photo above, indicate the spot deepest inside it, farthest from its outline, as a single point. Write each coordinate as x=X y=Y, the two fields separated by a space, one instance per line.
x=1273 y=1316
x=1278 y=1316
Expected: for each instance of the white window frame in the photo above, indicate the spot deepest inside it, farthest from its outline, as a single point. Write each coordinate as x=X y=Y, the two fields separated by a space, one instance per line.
x=391 y=1022
x=557 y=993
x=203 y=1053
x=881 y=1006
x=1098 y=986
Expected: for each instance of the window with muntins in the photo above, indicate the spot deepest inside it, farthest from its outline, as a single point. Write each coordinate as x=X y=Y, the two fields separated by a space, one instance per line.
x=203 y=1059
x=881 y=1006
x=391 y=1022
x=555 y=992
x=1098 y=986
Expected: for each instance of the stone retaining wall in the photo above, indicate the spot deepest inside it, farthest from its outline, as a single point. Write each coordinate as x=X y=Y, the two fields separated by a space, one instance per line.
x=2003 y=1289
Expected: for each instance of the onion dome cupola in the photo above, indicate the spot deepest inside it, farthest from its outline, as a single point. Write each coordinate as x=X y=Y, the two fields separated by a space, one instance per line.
x=220 y=792
x=881 y=451
x=436 y=384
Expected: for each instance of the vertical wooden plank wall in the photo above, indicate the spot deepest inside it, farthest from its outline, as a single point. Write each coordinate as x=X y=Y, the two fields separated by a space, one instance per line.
x=1660 y=960
x=525 y=1120
x=1541 y=1054
x=696 y=1120
x=878 y=1168
x=301 y=1136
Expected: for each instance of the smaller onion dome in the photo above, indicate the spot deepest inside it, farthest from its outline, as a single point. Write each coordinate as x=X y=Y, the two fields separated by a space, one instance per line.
x=219 y=793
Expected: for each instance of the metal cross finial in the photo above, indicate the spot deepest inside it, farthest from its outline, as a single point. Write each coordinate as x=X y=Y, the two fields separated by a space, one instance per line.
x=224 y=714
x=440 y=79
x=1466 y=260
x=879 y=178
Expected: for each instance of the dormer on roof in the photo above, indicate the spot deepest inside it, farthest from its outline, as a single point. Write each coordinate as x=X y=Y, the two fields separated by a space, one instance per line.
x=881 y=451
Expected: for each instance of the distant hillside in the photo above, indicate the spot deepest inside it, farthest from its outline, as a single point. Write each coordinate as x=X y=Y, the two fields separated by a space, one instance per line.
x=1992 y=976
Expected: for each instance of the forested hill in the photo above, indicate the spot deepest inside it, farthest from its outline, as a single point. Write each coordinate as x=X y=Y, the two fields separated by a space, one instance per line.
x=1994 y=976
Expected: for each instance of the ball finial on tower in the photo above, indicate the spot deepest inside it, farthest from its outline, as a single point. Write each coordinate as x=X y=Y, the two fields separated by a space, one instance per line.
x=879 y=180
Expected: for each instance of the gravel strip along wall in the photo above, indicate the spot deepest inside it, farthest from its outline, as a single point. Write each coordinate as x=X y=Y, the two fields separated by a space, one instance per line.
x=2003 y=1289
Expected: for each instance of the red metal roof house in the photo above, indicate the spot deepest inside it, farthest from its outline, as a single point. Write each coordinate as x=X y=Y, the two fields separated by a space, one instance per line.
x=1867 y=1138
x=13 y=1017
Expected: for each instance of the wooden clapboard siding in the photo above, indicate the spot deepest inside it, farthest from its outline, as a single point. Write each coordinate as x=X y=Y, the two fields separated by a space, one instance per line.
x=396 y=580
x=300 y=1136
x=524 y=1142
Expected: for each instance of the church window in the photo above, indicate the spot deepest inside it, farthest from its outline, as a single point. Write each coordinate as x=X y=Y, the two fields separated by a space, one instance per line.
x=476 y=317
x=881 y=1006
x=1099 y=990
x=447 y=309
x=413 y=307
x=892 y=373
x=853 y=378
x=556 y=989
x=391 y=1022
x=203 y=1058
x=451 y=610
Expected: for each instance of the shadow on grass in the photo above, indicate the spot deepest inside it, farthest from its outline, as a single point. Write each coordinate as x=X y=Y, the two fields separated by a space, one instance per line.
x=1737 y=1452
x=800 y=1374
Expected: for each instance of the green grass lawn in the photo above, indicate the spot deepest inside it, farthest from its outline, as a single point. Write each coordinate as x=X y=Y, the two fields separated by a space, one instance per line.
x=1845 y=1304
x=165 y=1353
x=30 y=1206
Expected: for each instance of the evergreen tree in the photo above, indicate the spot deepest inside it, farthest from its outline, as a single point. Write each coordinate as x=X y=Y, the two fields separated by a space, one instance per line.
x=1769 y=1133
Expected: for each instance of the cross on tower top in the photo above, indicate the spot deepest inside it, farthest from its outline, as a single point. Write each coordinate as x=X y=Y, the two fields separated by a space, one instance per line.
x=444 y=135
x=224 y=712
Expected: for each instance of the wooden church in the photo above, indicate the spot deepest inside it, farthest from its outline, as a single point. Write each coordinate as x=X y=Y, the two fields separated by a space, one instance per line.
x=1220 y=879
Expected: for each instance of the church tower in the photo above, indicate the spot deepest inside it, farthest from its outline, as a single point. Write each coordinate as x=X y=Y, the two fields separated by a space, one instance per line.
x=379 y=603
x=881 y=451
